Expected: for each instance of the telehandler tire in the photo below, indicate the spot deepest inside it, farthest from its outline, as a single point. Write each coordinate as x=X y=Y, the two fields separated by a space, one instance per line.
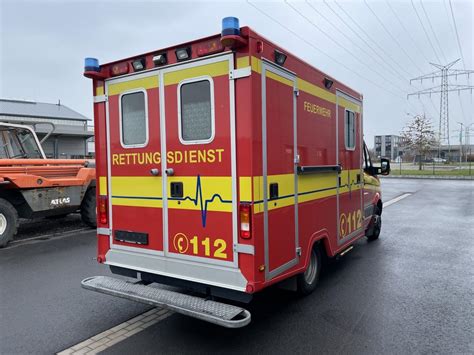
x=89 y=209
x=8 y=222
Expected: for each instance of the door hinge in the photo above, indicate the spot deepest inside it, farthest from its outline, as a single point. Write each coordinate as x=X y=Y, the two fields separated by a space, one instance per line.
x=240 y=73
x=296 y=92
x=100 y=98
x=297 y=159
x=298 y=251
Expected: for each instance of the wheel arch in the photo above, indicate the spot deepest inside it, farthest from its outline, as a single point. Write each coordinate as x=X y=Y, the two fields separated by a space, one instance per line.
x=320 y=239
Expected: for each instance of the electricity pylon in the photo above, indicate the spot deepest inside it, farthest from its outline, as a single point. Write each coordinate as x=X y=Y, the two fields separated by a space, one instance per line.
x=444 y=88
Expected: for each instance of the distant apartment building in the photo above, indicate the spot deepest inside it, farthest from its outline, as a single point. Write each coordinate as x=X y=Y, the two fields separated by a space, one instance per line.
x=71 y=135
x=387 y=146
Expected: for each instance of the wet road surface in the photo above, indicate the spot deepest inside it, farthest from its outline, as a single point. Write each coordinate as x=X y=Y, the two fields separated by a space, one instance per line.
x=409 y=292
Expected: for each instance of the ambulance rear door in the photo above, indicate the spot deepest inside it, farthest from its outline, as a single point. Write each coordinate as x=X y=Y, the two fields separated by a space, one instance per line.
x=199 y=171
x=134 y=158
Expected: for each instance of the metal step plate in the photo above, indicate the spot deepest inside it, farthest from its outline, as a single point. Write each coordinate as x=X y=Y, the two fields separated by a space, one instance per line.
x=214 y=312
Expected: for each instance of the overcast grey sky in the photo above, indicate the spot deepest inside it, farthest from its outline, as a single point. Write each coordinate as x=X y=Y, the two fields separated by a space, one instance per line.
x=43 y=44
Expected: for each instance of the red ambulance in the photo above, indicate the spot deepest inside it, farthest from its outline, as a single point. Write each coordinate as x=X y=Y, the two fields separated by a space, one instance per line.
x=226 y=165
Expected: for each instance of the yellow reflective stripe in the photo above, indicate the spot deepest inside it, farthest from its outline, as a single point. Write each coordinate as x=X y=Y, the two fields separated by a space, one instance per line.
x=213 y=69
x=310 y=88
x=132 y=202
x=214 y=194
x=279 y=78
x=143 y=83
x=245 y=188
x=99 y=90
x=310 y=187
x=258 y=193
x=371 y=183
x=314 y=90
x=136 y=186
x=243 y=62
x=286 y=190
x=348 y=104
x=256 y=64
x=102 y=185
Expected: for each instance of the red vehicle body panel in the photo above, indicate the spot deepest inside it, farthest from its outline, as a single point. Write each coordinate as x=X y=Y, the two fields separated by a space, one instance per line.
x=268 y=123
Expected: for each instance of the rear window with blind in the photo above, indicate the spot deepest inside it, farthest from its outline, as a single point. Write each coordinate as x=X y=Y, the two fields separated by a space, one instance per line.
x=196 y=111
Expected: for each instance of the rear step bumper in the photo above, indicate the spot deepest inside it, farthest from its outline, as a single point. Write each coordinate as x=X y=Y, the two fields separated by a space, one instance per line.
x=222 y=314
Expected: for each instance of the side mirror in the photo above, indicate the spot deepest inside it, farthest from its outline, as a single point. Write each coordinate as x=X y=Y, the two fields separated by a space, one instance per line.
x=384 y=168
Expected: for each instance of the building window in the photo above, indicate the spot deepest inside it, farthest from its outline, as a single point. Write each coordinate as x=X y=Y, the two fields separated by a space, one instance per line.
x=196 y=111
x=134 y=128
x=349 y=132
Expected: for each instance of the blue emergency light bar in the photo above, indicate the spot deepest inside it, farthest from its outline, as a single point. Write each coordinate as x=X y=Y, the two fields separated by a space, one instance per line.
x=91 y=64
x=230 y=26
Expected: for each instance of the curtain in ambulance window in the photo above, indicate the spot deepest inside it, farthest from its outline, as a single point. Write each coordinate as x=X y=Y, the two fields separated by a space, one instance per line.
x=349 y=130
x=134 y=130
x=196 y=111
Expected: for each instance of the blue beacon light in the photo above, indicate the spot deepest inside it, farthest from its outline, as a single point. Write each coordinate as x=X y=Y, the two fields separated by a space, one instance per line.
x=230 y=26
x=91 y=64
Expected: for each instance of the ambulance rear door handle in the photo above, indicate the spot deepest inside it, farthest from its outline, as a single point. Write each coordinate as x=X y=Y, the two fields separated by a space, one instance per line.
x=169 y=171
x=154 y=172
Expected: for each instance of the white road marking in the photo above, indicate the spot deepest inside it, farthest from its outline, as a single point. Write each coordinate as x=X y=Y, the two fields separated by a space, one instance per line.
x=114 y=335
x=396 y=199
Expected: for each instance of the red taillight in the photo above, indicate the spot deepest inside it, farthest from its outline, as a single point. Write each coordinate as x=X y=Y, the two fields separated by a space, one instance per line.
x=102 y=209
x=119 y=69
x=245 y=221
x=209 y=47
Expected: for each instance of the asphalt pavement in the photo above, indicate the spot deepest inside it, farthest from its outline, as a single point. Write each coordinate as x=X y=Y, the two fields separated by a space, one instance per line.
x=411 y=291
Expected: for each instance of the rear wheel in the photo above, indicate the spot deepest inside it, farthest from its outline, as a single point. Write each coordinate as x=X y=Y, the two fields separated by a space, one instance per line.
x=373 y=232
x=89 y=209
x=8 y=222
x=308 y=280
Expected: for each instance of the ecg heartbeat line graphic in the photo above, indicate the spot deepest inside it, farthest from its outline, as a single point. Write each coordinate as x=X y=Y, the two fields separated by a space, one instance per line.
x=199 y=200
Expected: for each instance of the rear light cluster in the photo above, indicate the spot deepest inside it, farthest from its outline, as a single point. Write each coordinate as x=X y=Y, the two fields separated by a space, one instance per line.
x=209 y=47
x=119 y=69
x=245 y=221
x=103 y=209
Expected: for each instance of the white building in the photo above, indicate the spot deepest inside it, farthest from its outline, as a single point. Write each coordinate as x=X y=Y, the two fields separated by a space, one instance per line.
x=71 y=133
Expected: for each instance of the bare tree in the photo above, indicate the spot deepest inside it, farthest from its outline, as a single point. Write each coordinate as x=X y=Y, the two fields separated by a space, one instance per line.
x=419 y=137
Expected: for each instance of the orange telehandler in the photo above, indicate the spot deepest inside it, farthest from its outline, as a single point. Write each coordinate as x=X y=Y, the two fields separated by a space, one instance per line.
x=33 y=186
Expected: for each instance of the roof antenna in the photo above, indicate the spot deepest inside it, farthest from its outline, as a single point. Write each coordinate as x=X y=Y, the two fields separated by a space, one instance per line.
x=59 y=102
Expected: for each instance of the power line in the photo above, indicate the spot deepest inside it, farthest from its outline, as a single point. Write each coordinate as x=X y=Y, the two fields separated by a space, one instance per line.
x=320 y=51
x=462 y=108
x=349 y=39
x=393 y=69
x=405 y=29
x=340 y=46
x=432 y=30
x=424 y=30
x=457 y=35
x=391 y=36
x=414 y=44
x=368 y=36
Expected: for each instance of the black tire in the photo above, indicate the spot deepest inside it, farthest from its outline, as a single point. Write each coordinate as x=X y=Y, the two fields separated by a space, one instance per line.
x=8 y=222
x=307 y=281
x=89 y=209
x=373 y=232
